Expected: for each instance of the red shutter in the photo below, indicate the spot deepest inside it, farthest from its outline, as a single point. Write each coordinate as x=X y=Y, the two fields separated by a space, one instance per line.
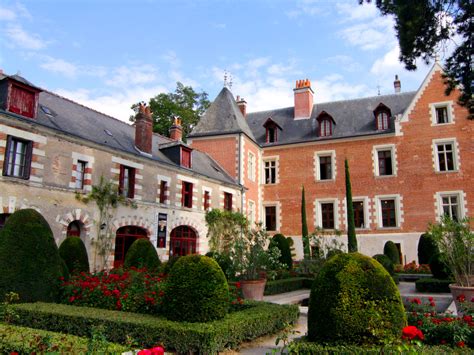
x=131 y=179
x=28 y=157
x=183 y=193
x=121 y=179
x=7 y=155
x=185 y=158
x=22 y=101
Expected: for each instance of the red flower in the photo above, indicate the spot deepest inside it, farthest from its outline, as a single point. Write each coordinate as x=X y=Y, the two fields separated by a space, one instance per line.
x=144 y=352
x=461 y=298
x=442 y=341
x=416 y=300
x=71 y=299
x=411 y=332
x=467 y=319
x=432 y=304
x=460 y=344
x=118 y=305
x=157 y=350
x=430 y=299
x=238 y=284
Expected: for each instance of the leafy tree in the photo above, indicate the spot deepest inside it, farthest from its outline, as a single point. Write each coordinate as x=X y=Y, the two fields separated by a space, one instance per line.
x=184 y=102
x=423 y=26
x=351 y=234
x=304 y=227
x=224 y=227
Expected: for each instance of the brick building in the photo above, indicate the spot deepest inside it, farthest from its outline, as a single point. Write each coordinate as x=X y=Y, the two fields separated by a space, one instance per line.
x=411 y=158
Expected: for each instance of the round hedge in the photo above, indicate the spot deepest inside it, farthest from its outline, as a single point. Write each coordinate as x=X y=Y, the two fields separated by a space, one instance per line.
x=73 y=251
x=196 y=290
x=439 y=268
x=354 y=301
x=385 y=261
x=142 y=254
x=426 y=249
x=282 y=244
x=391 y=250
x=225 y=263
x=29 y=259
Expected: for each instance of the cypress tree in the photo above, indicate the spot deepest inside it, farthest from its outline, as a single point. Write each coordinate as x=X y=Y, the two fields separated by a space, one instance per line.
x=351 y=234
x=304 y=227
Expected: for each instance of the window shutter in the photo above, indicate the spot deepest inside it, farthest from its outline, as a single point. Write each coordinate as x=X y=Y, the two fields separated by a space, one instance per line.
x=28 y=157
x=131 y=188
x=183 y=191
x=121 y=179
x=7 y=156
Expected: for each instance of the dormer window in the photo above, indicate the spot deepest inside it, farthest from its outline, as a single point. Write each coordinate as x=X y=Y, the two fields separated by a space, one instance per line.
x=20 y=97
x=271 y=131
x=325 y=124
x=382 y=117
x=186 y=157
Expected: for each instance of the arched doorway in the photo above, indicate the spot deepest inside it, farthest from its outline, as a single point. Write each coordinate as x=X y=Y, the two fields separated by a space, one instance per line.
x=74 y=229
x=182 y=241
x=125 y=236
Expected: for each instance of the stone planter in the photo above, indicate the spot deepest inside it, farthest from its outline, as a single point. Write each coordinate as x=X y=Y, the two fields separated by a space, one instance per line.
x=253 y=289
x=456 y=291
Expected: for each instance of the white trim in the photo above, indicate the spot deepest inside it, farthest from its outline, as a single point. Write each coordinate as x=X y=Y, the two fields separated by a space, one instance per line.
x=23 y=134
x=375 y=159
x=83 y=157
x=449 y=109
x=251 y=167
x=39 y=152
x=462 y=203
x=398 y=210
x=228 y=190
x=276 y=159
x=317 y=169
x=276 y=204
x=434 y=151
x=251 y=212
x=126 y=162
x=365 y=202
x=163 y=178
x=187 y=179
x=318 y=217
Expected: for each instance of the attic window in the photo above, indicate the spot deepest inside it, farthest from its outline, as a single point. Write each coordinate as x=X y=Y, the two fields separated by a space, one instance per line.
x=325 y=124
x=382 y=117
x=46 y=110
x=107 y=132
x=186 y=157
x=271 y=134
x=22 y=100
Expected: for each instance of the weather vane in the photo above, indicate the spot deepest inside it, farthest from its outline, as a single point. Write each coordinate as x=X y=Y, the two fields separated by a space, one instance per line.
x=227 y=80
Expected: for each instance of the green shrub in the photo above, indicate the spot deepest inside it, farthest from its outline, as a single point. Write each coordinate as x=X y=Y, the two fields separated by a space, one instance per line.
x=354 y=300
x=426 y=249
x=386 y=263
x=73 y=251
x=286 y=285
x=168 y=265
x=196 y=290
x=142 y=254
x=29 y=259
x=282 y=244
x=255 y=320
x=14 y=339
x=433 y=285
x=225 y=262
x=439 y=268
x=391 y=250
x=333 y=252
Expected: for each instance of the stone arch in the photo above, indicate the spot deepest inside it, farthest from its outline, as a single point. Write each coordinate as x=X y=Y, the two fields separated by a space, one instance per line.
x=10 y=204
x=75 y=215
x=190 y=222
x=134 y=220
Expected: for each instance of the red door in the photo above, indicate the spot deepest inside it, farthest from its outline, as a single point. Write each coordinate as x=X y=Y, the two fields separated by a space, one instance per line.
x=182 y=241
x=124 y=239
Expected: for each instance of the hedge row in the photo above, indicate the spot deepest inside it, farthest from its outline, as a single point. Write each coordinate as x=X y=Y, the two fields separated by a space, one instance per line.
x=301 y=346
x=254 y=320
x=27 y=341
x=433 y=285
x=287 y=285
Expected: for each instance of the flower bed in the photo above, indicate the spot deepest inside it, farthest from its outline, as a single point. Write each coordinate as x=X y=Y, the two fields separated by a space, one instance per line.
x=254 y=319
x=412 y=268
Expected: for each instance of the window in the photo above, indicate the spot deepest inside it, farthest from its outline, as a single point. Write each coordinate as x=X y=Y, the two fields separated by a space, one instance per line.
x=270 y=218
x=445 y=156
x=359 y=218
x=183 y=241
x=127 y=181
x=186 y=157
x=18 y=158
x=441 y=113
x=163 y=190
x=327 y=215
x=382 y=121
x=388 y=213
x=271 y=134
x=271 y=130
x=3 y=219
x=450 y=206
x=325 y=127
x=22 y=101
x=207 y=200
x=251 y=167
x=251 y=213
x=270 y=172
x=80 y=173
x=385 y=162
x=227 y=201
x=74 y=229
x=325 y=168
x=187 y=195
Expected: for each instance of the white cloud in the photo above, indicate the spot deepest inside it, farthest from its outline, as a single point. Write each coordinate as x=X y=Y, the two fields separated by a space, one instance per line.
x=7 y=14
x=132 y=75
x=305 y=7
x=59 y=66
x=353 y=12
x=370 y=35
x=19 y=37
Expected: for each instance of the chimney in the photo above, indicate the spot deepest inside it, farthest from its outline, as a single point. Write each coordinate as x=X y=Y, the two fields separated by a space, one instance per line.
x=397 y=85
x=176 y=130
x=242 y=105
x=303 y=99
x=143 y=129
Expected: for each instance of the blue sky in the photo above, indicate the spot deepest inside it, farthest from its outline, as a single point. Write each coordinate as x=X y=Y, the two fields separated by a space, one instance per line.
x=110 y=54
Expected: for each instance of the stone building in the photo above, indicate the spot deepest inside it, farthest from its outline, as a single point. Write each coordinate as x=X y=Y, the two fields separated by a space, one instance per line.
x=411 y=158
x=52 y=148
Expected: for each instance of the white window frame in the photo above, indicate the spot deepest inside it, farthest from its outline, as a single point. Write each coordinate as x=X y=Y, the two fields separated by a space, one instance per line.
x=365 y=204
x=251 y=212
x=89 y=160
x=456 y=161
x=398 y=210
x=318 y=213
x=277 y=212
x=277 y=165
x=449 y=109
x=251 y=166
x=462 y=207
x=317 y=169
x=375 y=159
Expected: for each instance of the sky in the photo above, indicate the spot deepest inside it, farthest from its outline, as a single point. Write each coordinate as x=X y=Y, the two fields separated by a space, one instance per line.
x=110 y=54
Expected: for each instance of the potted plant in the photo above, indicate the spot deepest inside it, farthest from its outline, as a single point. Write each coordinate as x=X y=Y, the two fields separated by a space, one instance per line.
x=455 y=241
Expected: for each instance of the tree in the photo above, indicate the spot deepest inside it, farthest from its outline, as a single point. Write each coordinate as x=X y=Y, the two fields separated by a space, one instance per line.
x=184 y=102
x=423 y=26
x=351 y=234
x=304 y=227
x=224 y=227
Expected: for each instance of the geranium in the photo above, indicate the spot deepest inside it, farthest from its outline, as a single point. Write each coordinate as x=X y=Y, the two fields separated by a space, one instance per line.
x=411 y=332
x=158 y=350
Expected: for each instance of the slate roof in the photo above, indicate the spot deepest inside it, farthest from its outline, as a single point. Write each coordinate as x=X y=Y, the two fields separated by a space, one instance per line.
x=222 y=117
x=352 y=118
x=73 y=119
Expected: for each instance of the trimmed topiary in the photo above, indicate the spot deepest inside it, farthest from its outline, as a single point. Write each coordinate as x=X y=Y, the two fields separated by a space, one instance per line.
x=282 y=244
x=385 y=261
x=73 y=251
x=391 y=250
x=168 y=265
x=426 y=249
x=439 y=268
x=29 y=259
x=196 y=290
x=225 y=262
x=333 y=252
x=142 y=254
x=354 y=301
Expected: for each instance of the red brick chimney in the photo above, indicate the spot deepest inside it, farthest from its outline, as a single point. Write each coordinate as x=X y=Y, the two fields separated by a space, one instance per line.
x=303 y=99
x=176 y=130
x=397 y=84
x=242 y=105
x=143 y=129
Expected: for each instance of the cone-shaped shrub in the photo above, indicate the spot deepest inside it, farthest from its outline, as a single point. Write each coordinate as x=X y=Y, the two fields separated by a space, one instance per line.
x=196 y=290
x=142 y=254
x=74 y=253
x=385 y=261
x=439 y=268
x=391 y=250
x=354 y=301
x=282 y=244
x=426 y=249
x=30 y=264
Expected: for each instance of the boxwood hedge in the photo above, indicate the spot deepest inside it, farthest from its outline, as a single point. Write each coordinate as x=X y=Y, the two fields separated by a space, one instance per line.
x=287 y=285
x=253 y=320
